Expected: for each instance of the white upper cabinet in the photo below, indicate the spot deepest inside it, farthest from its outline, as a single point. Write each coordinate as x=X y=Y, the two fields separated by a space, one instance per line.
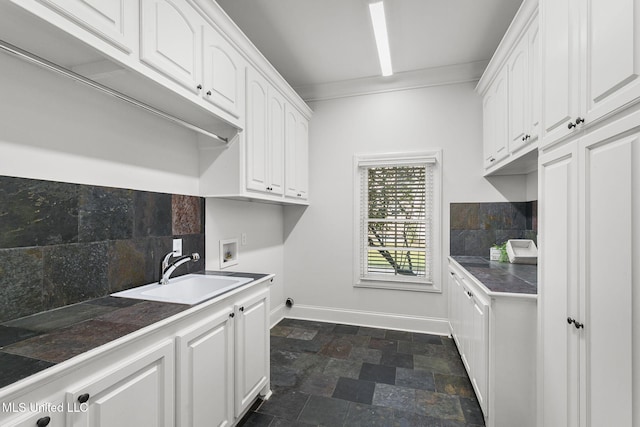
x=296 y=157
x=275 y=161
x=591 y=62
x=511 y=97
x=170 y=41
x=113 y=21
x=524 y=93
x=224 y=74
x=496 y=146
x=257 y=150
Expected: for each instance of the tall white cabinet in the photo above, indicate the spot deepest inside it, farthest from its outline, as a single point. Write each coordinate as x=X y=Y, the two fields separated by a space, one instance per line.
x=589 y=306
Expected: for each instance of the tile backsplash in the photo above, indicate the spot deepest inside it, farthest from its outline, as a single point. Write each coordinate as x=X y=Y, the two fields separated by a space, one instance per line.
x=65 y=243
x=475 y=227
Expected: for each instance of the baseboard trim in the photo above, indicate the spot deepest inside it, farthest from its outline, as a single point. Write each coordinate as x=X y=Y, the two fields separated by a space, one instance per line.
x=422 y=324
x=276 y=315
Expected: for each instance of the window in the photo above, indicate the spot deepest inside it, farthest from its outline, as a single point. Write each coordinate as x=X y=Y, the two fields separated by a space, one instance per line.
x=397 y=224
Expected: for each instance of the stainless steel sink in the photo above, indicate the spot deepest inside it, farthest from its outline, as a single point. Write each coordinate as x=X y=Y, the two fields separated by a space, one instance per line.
x=187 y=289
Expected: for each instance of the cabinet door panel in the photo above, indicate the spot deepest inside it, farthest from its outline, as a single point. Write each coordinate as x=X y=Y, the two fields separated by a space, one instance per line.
x=205 y=370
x=302 y=158
x=488 y=127
x=276 y=142
x=560 y=52
x=558 y=356
x=480 y=378
x=170 y=40
x=290 y=129
x=534 y=94
x=252 y=351
x=257 y=149
x=136 y=392
x=613 y=55
x=518 y=84
x=501 y=136
x=113 y=21
x=610 y=195
x=223 y=73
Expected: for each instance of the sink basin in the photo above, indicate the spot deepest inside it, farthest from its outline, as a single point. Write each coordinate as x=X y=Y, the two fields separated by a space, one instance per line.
x=188 y=289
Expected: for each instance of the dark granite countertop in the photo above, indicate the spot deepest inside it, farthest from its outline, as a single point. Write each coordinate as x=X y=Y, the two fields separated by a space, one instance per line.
x=501 y=277
x=33 y=343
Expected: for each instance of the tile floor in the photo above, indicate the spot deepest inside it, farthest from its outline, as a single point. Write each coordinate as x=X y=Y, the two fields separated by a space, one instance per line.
x=324 y=374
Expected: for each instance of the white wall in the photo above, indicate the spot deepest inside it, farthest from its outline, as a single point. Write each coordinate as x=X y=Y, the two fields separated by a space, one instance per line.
x=264 y=251
x=55 y=129
x=318 y=241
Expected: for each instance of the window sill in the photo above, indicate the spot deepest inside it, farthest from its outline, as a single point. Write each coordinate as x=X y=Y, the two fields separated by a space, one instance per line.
x=397 y=285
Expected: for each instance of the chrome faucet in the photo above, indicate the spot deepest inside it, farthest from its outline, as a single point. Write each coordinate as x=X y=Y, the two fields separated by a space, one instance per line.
x=168 y=269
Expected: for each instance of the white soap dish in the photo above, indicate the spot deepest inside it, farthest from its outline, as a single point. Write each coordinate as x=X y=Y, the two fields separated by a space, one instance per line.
x=522 y=251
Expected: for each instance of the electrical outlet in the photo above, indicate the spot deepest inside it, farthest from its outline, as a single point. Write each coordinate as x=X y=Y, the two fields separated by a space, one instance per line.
x=243 y=239
x=177 y=247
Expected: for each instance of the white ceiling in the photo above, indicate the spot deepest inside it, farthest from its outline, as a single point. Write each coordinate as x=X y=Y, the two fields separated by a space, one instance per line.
x=315 y=42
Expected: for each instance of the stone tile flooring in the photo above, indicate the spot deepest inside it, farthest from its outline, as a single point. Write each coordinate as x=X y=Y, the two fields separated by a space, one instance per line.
x=323 y=374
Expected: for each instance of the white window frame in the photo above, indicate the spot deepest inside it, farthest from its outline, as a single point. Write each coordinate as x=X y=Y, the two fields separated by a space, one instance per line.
x=399 y=282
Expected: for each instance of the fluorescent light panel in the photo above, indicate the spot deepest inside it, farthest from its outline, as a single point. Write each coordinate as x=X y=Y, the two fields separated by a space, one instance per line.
x=382 y=39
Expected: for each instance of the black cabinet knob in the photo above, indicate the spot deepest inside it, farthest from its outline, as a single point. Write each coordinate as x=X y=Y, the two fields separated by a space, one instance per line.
x=232 y=315
x=83 y=398
x=241 y=308
x=571 y=125
x=570 y=320
x=579 y=120
x=209 y=92
x=43 y=422
x=199 y=87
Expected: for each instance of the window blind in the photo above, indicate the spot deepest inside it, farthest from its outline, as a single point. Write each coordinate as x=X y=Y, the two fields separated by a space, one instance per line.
x=396 y=221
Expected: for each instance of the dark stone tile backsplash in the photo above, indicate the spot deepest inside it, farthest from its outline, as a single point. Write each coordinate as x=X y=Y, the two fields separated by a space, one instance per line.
x=475 y=227
x=63 y=243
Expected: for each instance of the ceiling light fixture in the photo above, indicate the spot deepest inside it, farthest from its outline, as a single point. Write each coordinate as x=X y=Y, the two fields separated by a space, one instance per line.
x=382 y=40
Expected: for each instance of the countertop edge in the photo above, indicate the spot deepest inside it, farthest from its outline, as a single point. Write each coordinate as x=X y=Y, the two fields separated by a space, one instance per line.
x=486 y=290
x=62 y=368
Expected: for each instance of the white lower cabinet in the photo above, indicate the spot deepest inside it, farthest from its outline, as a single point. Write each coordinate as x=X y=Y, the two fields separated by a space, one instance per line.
x=205 y=372
x=252 y=349
x=137 y=391
x=496 y=337
x=223 y=363
x=589 y=313
x=203 y=368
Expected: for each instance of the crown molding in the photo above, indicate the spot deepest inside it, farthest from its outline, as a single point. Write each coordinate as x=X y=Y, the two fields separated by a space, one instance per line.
x=426 y=77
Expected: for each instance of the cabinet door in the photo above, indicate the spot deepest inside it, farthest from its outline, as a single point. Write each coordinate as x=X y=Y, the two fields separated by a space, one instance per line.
x=488 y=127
x=533 y=89
x=205 y=372
x=501 y=135
x=558 y=357
x=518 y=90
x=611 y=191
x=480 y=352
x=302 y=158
x=612 y=55
x=113 y=21
x=257 y=148
x=290 y=160
x=138 y=391
x=252 y=348
x=560 y=60
x=276 y=142
x=223 y=73
x=170 y=40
